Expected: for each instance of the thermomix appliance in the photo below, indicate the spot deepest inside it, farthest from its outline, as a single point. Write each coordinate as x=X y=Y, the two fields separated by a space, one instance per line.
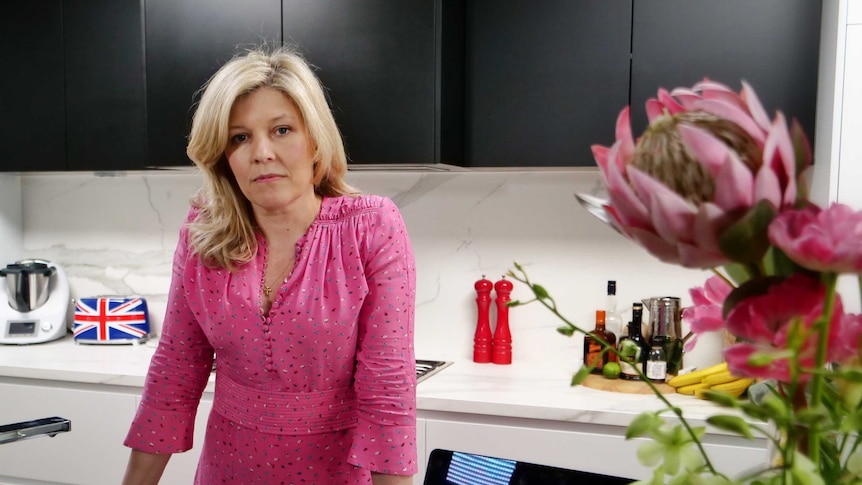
x=34 y=302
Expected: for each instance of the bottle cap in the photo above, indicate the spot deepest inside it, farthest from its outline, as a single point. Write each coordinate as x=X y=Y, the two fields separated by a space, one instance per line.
x=600 y=316
x=612 y=287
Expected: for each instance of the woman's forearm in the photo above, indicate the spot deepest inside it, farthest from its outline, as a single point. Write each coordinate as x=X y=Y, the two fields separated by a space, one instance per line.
x=384 y=479
x=145 y=468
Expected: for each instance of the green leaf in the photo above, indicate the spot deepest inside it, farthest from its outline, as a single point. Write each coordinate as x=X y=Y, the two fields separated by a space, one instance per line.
x=755 y=410
x=854 y=463
x=721 y=398
x=566 y=330
x=746 y=240
x=852 y=396
x=540 y=291
x=646 y=423
x=777 y=407
x=852 y=375
x=738 y=273
x=581 y=375
x=731 y=423
x=812 y=415
x=777 y=263
x=852 y=422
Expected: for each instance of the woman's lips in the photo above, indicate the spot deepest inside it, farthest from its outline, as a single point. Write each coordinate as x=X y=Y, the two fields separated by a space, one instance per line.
x=267 y=177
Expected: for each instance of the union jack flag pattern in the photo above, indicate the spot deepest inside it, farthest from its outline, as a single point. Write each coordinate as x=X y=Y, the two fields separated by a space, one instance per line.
x=111 y=320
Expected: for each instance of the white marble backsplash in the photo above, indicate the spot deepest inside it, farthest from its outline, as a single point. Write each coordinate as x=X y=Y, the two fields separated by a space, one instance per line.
x=114 y=234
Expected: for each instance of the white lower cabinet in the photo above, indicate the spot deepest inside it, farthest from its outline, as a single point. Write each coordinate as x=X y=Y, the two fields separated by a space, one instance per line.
x=590 y=448
x=91 y=453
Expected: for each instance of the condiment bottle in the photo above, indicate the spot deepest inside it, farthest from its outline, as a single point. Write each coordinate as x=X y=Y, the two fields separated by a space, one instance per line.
x=482 y=339
x=501 y=352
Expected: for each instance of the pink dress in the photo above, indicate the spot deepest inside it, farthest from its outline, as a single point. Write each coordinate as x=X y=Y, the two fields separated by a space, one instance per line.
x=322 y=389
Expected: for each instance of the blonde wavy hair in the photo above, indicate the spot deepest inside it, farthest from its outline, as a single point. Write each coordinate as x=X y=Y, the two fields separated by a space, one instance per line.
x=223 y=233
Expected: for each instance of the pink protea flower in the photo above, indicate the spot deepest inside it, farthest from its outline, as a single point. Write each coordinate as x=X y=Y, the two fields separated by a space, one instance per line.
x=705 y=315
x=764 y=321
x=822 y=240
x=708 y=157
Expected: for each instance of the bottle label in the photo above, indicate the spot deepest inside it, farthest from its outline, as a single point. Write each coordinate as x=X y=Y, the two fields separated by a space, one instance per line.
x=628 y=369
x=656 y=369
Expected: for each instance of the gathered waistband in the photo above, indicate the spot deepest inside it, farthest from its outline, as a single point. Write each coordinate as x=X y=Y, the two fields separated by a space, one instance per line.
x=286 y=413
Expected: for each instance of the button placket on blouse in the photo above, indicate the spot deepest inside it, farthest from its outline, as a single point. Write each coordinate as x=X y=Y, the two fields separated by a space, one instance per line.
x=267 y=343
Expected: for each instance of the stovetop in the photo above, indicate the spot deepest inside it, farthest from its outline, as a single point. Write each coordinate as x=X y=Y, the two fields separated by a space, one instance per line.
x=427 y=368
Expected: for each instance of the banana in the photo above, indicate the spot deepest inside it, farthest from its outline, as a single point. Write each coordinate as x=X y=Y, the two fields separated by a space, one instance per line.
x=697 y=376
x=720 y=378
x=733 y=388
x=739 y=385
x=691 y=388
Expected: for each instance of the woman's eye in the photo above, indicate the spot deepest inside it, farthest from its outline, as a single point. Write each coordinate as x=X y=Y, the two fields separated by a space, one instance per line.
x=238 y=138
x=282 y=130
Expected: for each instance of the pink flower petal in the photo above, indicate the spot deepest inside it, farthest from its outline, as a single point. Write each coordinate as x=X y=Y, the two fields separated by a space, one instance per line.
x=734 y=114
x=708 y=225
x=671 y=215
x=709 y=150
x=767 y=186
x=669 y=103
x=691 y=256
x=654 y=109
x=655 y=245
x=778 y=155
x=734 y=185
x=625 y=139
x=754 y=106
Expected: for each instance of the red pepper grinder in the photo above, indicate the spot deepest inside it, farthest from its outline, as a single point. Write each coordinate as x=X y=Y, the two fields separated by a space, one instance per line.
x=502 y=342
x=482 y=340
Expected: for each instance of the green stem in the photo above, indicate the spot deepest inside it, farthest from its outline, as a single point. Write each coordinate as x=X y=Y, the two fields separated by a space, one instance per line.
x=722 y=276
x=818 y=381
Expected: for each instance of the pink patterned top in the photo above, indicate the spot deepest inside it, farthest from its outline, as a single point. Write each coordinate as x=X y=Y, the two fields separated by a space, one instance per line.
x=322 y=389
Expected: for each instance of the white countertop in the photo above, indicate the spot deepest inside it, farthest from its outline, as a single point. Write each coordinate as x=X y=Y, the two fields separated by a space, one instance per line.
x=520 y=390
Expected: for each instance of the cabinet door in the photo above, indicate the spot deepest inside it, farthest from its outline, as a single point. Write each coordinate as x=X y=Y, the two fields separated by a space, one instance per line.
x=92 y=452
x=32 y=116
x=772 y=44
x=104 y=60
x=544 y=80
x=186 y=42
x=376 y=59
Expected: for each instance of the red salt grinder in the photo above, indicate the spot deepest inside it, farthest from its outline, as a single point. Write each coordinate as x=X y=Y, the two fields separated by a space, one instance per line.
x=502 y=342
x=482 y=339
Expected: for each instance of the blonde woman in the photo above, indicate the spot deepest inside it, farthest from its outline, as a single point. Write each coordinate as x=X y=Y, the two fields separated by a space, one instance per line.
x=301 y=290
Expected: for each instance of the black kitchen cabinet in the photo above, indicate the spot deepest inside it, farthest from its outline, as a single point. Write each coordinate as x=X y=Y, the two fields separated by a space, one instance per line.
x=73 y=96
x=32 y=110
x=103 y=48
x=544 y=80
x=186 y=42
x=771 y=44
x=378 y=61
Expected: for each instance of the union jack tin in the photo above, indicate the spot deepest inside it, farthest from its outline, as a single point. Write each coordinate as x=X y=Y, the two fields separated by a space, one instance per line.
x=111 y=320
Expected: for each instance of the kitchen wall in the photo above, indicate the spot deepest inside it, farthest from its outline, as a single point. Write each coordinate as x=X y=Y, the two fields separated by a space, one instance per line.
x=115 y=234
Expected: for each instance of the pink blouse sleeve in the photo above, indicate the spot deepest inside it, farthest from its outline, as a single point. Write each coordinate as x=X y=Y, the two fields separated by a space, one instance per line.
x=178 y=372
x=385 y=379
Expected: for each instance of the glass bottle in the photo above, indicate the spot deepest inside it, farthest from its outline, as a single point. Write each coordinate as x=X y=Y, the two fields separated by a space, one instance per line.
x=613 y=321
x=656 y=363
x=633 y=347
x=594 y=353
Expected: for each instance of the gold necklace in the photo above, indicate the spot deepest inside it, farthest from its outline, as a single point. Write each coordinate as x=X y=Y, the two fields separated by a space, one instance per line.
x=267 y=289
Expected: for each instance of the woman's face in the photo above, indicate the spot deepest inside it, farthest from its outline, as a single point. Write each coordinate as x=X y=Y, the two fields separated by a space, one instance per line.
x=269 y=150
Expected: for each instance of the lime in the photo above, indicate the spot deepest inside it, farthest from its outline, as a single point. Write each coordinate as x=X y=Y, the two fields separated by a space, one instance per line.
x=611 y=370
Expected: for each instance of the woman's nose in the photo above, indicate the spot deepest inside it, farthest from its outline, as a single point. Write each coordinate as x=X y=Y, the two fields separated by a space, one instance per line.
x=263 y=151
